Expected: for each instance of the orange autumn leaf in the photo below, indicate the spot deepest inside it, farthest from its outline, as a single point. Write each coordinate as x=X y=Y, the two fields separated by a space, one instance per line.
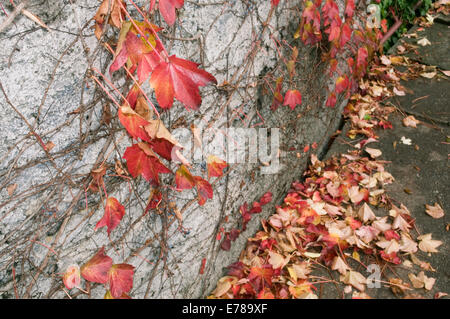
x=259 y=276
x=179 y=78
x=115 y=19
x=215 y=166
x=72 y=277
x=142 y=161
x=114 y=213
x=96 y=269
x=120 y=279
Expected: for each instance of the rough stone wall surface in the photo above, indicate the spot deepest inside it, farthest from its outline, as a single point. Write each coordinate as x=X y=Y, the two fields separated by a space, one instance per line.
x=48 y=221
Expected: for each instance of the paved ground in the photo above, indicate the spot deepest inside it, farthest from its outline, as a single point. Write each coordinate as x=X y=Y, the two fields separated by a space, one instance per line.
x=421 y=170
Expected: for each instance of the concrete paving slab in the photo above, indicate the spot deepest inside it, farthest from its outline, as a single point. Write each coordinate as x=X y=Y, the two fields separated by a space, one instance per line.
x=426 y=99
x=421 y=177
x=437 y=53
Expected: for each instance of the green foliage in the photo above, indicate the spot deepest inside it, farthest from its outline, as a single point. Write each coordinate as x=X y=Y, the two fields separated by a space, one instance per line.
x=403 y=9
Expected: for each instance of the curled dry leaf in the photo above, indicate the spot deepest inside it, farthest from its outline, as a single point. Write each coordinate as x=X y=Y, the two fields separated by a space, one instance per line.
x=410 y=121
x=373 y=152
x=72 y=277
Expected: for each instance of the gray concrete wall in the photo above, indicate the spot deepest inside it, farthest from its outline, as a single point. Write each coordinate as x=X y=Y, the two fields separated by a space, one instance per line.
x=44 y=75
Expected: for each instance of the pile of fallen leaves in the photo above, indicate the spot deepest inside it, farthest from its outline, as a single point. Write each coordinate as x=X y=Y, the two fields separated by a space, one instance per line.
x=328 y=221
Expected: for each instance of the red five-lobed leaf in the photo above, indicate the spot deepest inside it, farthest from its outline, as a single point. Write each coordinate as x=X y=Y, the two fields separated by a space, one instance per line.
x=96 y=269
x=167 y=9
x=292 y=98
x=142 y=161
x=114 y=213
x=179 y=78
x=120 y=279
x=215 y=166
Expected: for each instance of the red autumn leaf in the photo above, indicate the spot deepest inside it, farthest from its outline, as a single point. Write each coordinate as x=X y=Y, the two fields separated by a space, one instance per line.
x=275 y=2
x=392 y=257
x=154 y=200
x=114 y=213
x=330 y=11
x=202 y=267
x=204 y=190
x=108 y=295
x=138 y=49
x=226 y=244
x=391 y=234
x=349 y=8
x=96 y=269
x=292 y=98
x=334 y=30
x=266 y=198
x=215 y=166
x=277 y=97
x=184 y=178
x=142 y=161
x=341 y=84
x=167 y=9
x=236 y=269
x=120 y=279
x=261 y=275
x=179 y=78
x=234 y=234
x=311 y=14
x=361 y=60
x=133 y=122
x=331 y=101
x=162 y=142
x=346 y=34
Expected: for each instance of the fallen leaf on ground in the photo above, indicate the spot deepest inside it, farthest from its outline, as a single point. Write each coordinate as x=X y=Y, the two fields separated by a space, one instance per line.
x=422 y=281
x=410 y=121
x=434 y=211
x=424 y=41
x=427 y=244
